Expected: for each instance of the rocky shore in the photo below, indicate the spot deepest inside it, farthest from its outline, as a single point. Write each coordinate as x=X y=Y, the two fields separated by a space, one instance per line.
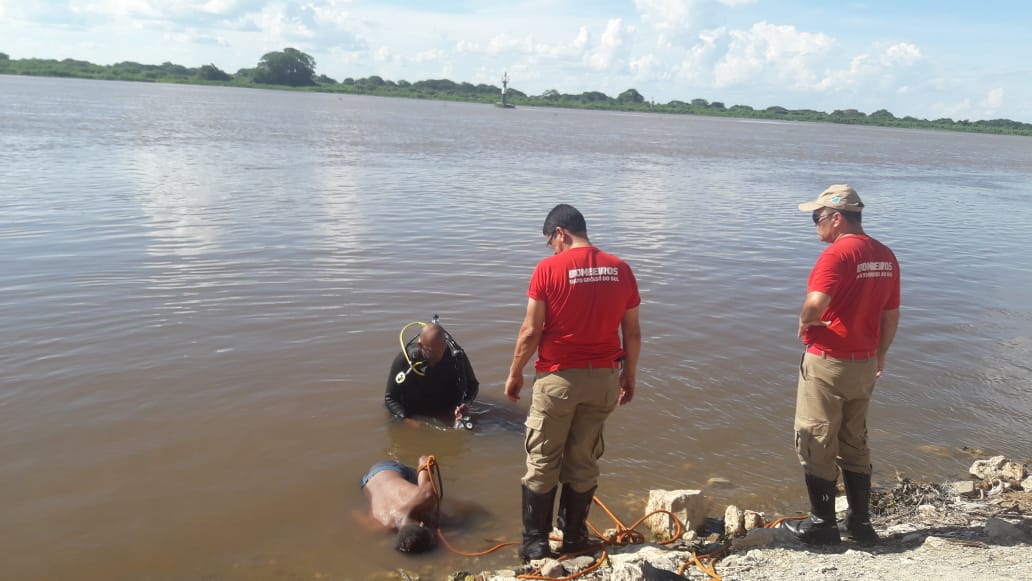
x=978 y=528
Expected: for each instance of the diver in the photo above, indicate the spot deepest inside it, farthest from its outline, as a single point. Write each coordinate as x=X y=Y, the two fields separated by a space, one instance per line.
x=432 y=376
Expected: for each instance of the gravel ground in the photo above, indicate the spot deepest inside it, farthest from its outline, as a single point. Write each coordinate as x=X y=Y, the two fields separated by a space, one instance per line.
x=927 y=532
x=934 y=558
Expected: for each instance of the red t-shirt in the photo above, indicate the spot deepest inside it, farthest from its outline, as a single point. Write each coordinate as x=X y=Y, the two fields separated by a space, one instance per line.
x=862 y=277
x=586 y=293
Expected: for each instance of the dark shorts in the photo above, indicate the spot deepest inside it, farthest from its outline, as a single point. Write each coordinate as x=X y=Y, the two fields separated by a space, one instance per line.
x=406 y=472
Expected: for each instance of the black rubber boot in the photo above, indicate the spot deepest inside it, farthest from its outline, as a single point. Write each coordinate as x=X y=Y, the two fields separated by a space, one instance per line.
x=858 y=519
x=819 y=528
x=573 y=519
x=537 y=524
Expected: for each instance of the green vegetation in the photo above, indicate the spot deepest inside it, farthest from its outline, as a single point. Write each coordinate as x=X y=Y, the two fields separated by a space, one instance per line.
x=289 y=67
x=293 y=68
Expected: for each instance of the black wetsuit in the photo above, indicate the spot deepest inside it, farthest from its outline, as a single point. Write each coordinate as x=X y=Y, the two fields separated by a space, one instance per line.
x=438 y=391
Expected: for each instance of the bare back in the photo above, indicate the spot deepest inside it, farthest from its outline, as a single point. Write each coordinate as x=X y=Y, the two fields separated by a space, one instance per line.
x=396 y=502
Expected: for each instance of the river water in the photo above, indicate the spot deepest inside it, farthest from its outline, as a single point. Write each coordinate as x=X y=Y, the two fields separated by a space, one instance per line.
x=203 y=288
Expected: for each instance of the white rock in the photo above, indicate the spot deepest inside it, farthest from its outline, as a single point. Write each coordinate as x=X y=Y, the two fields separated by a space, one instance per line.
x=689 y=506
x=578 y=563
x=734 y=522
x=998 y=467
x=1026 y=484
x=1012 y=472
x=841 y=504
x=753 y=520
x=552 y=568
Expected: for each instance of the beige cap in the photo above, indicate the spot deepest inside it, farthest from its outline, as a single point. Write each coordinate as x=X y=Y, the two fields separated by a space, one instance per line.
x=837 y=197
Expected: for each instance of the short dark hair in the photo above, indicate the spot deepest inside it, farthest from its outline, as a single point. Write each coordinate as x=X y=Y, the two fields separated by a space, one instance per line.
x=564 y=216
x=851 y=218
x=413 y=538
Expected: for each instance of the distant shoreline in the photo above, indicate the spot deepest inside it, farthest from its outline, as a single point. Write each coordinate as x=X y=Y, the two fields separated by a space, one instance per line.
x=446 y=90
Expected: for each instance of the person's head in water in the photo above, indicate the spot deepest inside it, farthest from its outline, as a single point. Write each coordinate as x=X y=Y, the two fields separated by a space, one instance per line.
x=413 y=538
x=431 y=344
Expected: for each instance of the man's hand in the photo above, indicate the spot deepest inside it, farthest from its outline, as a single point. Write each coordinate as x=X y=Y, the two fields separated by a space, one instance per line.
x=461 y=410
x=815 y=304
x=513 y=385
x=627 y=381
x=411 y=423
x=804 y=326
x=881 y=365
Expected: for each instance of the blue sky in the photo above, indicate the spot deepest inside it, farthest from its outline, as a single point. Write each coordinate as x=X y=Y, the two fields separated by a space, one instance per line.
x=962 y=60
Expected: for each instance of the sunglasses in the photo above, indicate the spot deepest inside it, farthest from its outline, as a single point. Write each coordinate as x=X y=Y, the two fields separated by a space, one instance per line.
x=818 y=217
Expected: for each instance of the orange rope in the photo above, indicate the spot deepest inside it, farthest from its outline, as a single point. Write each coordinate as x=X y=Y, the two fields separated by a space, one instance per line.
x=623 y=536
x=777 y=522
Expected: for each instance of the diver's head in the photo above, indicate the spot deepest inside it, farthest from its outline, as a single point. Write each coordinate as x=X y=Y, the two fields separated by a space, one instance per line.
x=431 y=344
x=414 y=538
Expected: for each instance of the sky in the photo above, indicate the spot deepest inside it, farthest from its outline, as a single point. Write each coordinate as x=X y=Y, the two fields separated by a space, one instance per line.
x=927 y=59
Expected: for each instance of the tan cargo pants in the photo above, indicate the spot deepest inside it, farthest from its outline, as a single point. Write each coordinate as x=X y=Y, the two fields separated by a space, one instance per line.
x=831 y=415
x=564 y=427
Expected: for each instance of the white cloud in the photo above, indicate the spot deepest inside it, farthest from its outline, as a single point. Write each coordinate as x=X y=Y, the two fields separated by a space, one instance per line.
x=427 y=56
x=333 y=14
x=504 y=43
x=384 y=55
x=644 y=67
x=768 y=52
x=994 y=98
x=465 y=46
x=610 y=44
x=881 y=70
x=903 y=54
x=667 y=15
x=697 y=63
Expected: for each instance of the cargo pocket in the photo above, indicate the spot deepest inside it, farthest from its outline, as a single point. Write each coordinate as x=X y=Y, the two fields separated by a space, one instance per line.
x=533 y=440
x=811 y=439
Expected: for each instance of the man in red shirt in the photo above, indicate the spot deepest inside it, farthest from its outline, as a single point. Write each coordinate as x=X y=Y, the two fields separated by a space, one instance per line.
x=582 y=319
x=847 y=322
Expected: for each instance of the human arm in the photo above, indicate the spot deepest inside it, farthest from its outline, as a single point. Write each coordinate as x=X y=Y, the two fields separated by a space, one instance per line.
x=889 y=323
x=527 y=341
x=471 y=387
x=394 y=397
x=814 y=305
x=422 y=506
x=630 y=331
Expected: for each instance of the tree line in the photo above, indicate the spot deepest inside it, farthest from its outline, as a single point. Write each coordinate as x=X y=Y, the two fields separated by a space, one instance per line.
x=293 y=68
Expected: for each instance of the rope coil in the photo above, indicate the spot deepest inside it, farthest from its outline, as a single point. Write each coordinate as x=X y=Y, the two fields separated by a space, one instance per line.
x=623 y=536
